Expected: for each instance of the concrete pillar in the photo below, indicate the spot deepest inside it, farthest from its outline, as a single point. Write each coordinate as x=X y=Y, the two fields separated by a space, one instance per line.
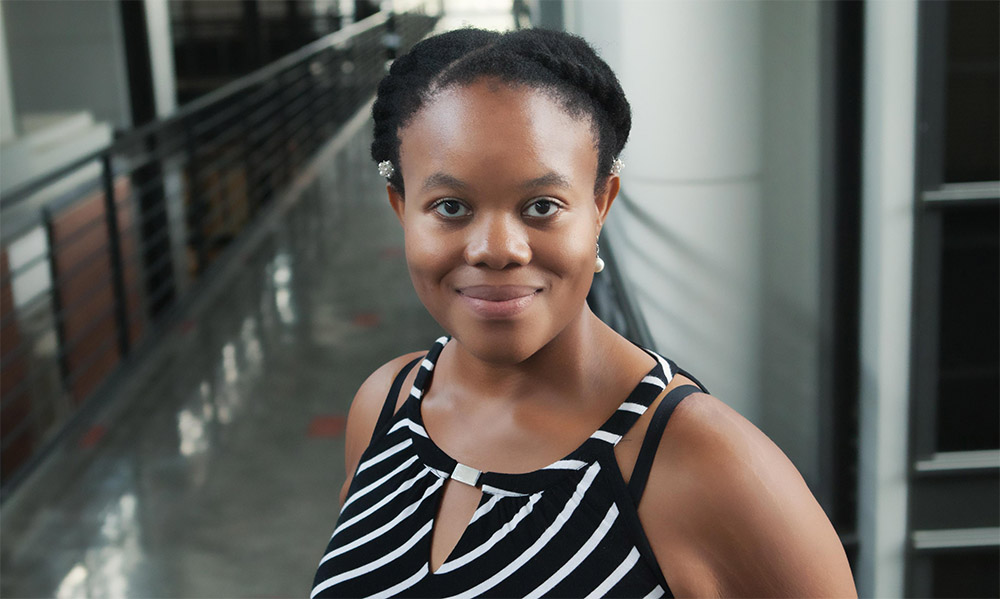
x=789 y=357
x=8 y=125
x=688 y=238
x=886 y=288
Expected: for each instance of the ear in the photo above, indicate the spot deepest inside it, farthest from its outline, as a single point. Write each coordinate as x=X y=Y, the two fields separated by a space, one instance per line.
x=606 y=197
x=396 y=201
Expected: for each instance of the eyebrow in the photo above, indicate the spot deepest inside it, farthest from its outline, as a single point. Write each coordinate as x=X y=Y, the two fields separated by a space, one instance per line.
x=548 y=179
x=441 y=179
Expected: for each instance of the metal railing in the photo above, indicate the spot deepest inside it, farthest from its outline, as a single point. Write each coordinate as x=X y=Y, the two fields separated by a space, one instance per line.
x=95 y=254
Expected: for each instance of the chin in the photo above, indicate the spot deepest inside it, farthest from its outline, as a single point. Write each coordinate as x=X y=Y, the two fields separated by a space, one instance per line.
x=505 y=344
x=499 y=354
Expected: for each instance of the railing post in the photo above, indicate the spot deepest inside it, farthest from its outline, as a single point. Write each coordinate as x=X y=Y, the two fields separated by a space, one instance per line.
x=57 y=308
x=288 y=174
x=330 y=89
x=336 y=89
x=197 y=211
x=246 y=152
x=114 y=246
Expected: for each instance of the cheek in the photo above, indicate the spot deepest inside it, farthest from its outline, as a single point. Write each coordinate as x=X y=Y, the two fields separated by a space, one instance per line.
x=569 y=256
x=428 y=256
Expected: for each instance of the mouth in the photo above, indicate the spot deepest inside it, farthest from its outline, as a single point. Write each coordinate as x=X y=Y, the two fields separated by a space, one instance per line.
x=497 y=293
x=498 y=301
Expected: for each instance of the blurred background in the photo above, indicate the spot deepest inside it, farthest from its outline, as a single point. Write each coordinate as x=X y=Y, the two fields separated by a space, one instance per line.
x=199 y=268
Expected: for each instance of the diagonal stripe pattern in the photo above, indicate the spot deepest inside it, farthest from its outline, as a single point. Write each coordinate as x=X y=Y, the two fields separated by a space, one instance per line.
x=561 y=531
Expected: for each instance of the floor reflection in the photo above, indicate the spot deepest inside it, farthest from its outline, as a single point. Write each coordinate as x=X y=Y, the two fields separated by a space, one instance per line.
x=220 y=471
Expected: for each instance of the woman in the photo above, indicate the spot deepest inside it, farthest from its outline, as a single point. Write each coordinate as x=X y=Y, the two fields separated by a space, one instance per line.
x=528 y=454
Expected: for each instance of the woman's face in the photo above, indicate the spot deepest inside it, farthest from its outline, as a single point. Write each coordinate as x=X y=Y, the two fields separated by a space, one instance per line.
x=500 y=215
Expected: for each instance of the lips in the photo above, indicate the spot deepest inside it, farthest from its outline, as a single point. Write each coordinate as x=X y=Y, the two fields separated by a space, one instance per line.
x=497 y=293
x=498 y=301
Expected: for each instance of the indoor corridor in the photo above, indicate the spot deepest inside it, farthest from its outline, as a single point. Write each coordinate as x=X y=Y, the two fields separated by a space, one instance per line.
x=215 y=470
x=199 y=267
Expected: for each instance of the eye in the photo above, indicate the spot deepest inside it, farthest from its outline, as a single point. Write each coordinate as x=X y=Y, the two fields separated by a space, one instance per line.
x=451 y=209
x=541 y=208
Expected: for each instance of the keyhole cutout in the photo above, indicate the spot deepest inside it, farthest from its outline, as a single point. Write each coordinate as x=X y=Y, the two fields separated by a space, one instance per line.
x=456 y=508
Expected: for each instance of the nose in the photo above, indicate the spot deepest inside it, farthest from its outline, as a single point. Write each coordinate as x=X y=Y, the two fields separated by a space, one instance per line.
x=497 y=242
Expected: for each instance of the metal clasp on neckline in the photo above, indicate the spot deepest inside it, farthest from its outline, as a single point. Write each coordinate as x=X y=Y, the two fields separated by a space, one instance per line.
x=466 y=474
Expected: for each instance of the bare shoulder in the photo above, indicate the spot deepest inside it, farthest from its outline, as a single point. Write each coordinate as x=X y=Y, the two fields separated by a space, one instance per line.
x=365 y=409
x=728 y=514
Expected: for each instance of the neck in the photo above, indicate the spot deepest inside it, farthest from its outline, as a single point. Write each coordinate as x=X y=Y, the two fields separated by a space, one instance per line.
x=568 y=366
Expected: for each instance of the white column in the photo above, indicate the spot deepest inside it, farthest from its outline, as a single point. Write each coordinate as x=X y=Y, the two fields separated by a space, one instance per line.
x=689 y=241
x=161 y=56
x=8 y=127
x=886 y=287
x=789 y=350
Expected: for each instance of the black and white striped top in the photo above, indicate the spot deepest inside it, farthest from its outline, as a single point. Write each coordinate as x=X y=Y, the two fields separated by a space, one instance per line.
x=568 y=530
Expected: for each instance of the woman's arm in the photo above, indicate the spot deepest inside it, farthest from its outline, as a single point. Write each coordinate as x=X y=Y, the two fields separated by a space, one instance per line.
x=728 y=515
x=365 y=409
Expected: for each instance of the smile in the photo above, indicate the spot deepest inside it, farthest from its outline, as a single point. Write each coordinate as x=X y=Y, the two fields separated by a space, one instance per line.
x=498 y=302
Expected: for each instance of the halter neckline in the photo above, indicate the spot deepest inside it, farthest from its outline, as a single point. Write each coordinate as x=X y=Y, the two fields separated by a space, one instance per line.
x=525 y=483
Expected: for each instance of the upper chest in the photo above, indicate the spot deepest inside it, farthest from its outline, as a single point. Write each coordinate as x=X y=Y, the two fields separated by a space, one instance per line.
x=509 y=438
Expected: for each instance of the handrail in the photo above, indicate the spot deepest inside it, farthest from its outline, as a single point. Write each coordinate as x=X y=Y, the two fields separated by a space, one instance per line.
x=953 y=193
x=266 y=72
x=24 y=190
x=99 y=267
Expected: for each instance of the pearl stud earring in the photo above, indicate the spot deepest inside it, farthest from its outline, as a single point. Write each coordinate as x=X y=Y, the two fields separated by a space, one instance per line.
x=616 y=166
x=386 y=169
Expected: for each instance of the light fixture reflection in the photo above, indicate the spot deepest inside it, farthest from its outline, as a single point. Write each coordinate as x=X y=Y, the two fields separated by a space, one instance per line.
x=73 y=585
x=229 y=368
x=282 y=277
x=111 y=560
x=252 y=348
x=286 y=312
x=191 y=429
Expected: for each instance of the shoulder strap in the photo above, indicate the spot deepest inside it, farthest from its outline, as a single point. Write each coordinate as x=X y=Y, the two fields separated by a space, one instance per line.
x=644 y=463
x=678 y=370
x=389 y=407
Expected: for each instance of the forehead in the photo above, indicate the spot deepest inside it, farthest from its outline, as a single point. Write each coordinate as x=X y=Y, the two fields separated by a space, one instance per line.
x=500 y=129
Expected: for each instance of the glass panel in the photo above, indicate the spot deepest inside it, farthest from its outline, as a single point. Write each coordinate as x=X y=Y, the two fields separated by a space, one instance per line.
x=968 y=404
x=972 y=145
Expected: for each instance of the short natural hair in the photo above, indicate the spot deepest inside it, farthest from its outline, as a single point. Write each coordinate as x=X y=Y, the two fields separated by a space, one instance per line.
x=560 y=64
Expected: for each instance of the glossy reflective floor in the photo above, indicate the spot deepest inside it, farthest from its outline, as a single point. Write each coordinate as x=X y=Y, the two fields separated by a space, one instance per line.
x=215 y=473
